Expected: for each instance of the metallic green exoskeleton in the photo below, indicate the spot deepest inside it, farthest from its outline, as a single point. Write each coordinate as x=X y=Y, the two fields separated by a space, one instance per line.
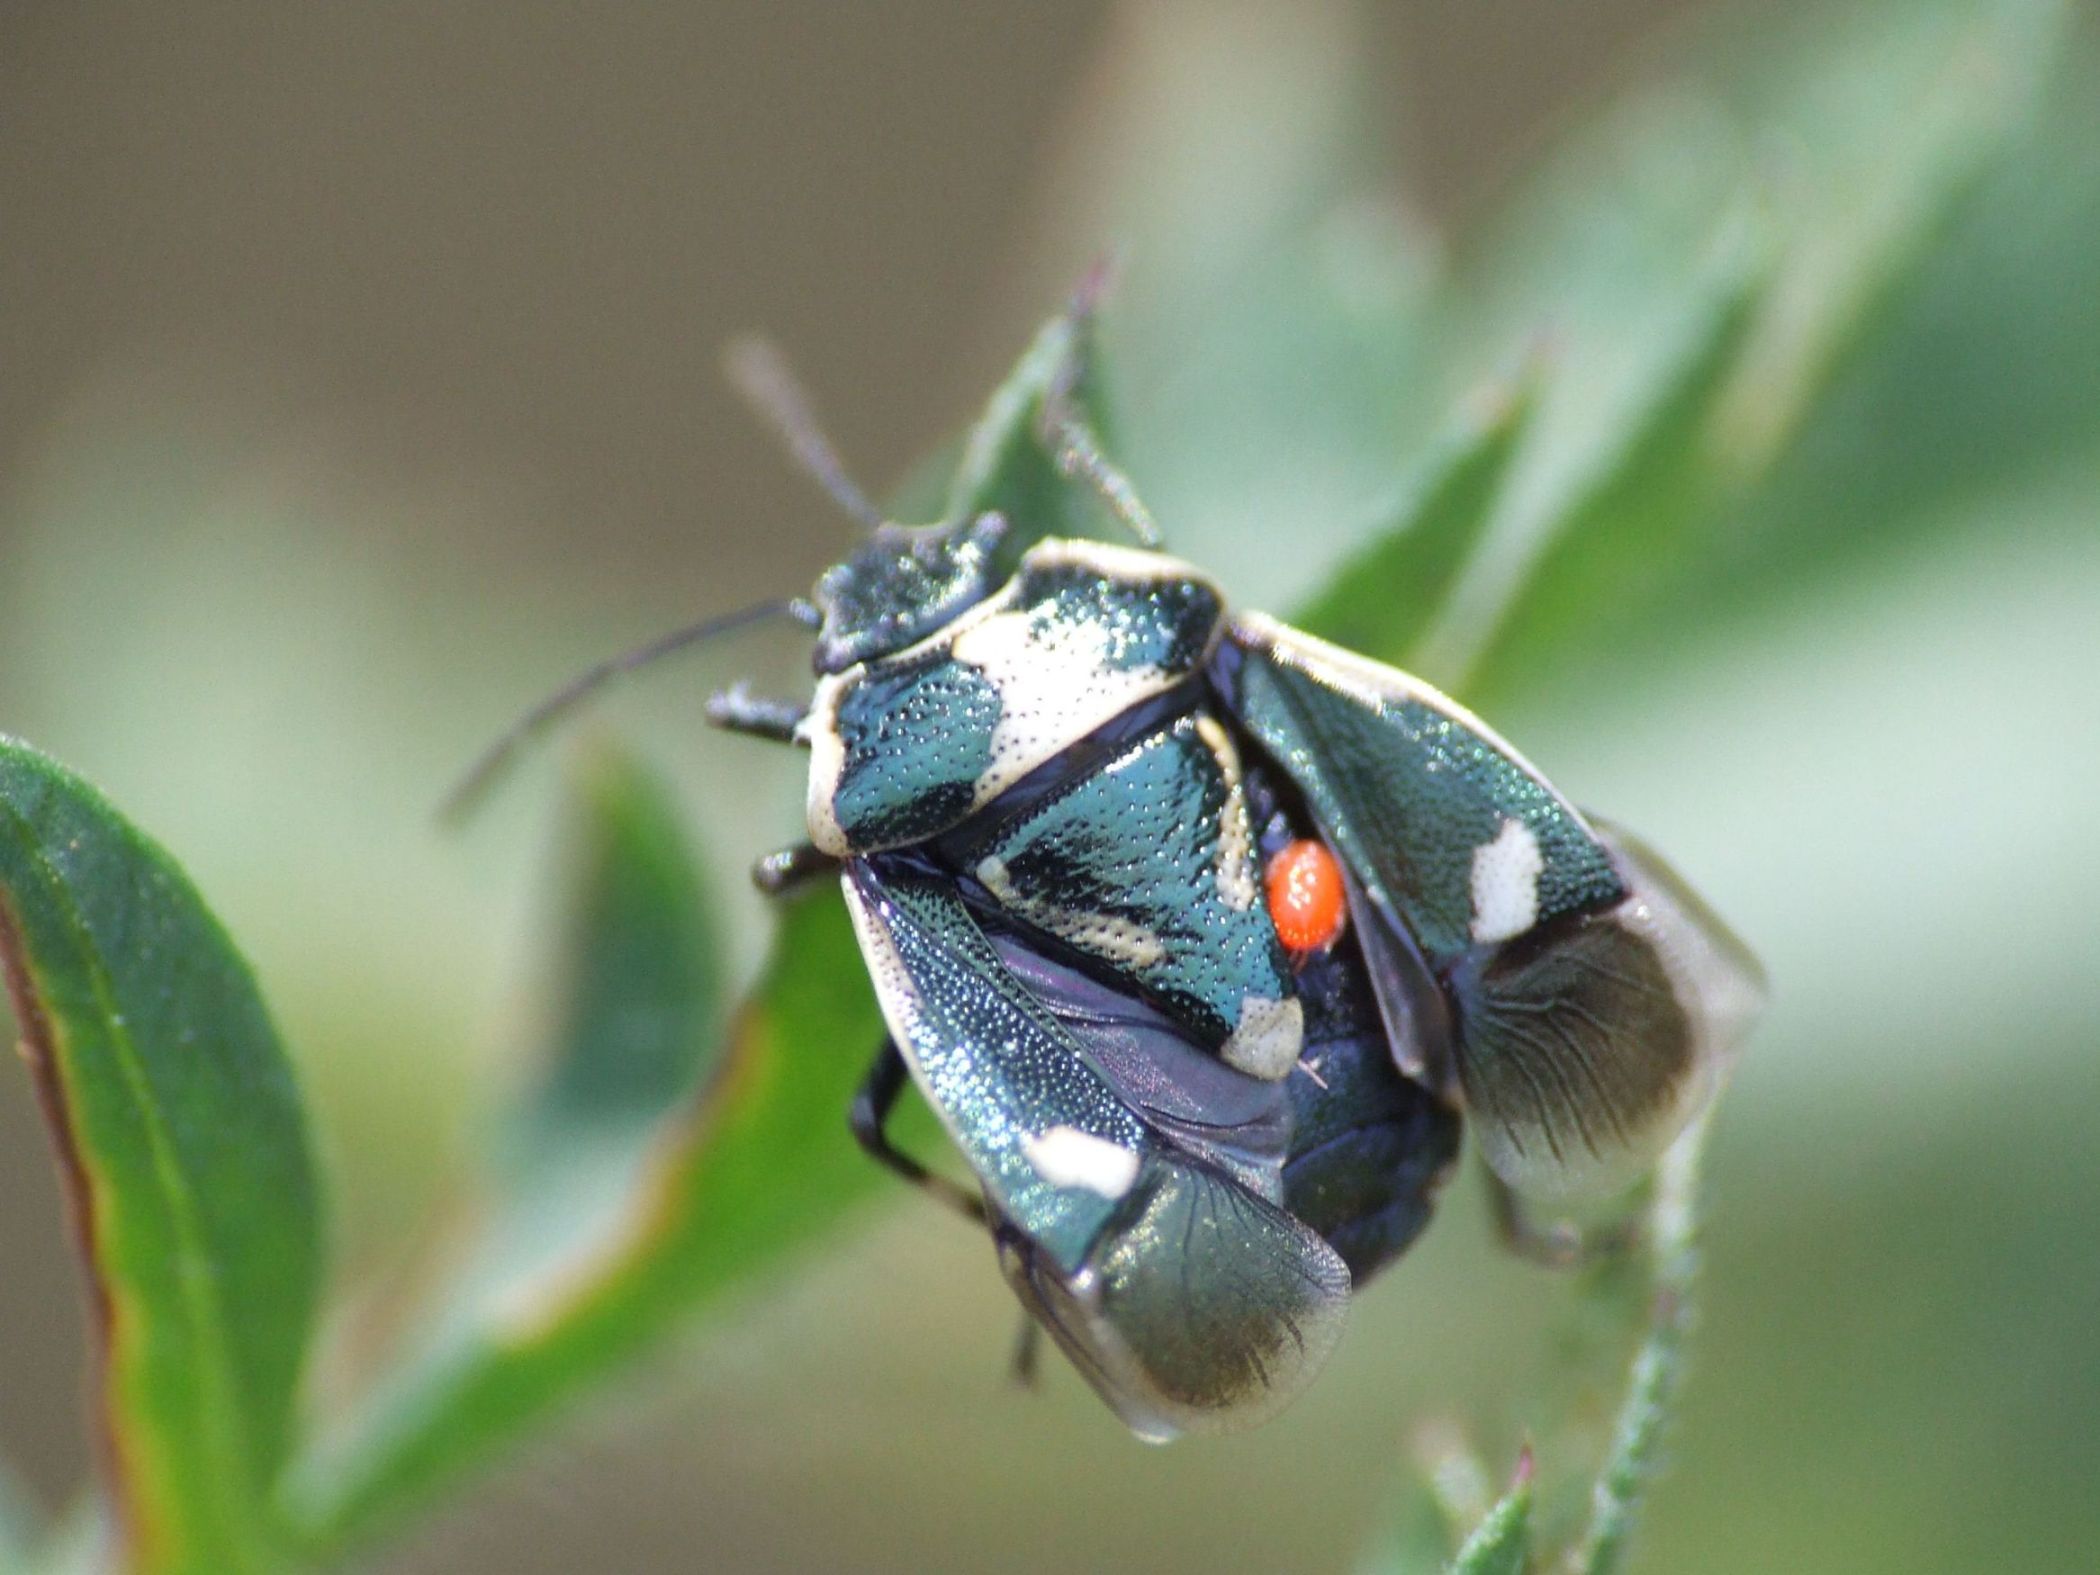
x=1050 y=797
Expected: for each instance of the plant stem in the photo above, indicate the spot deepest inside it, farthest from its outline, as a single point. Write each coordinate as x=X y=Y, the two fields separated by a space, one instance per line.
x=1658 y=1367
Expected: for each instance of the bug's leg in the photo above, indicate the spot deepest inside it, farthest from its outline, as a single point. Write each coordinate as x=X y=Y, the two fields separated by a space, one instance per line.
x=1556 y=1245
x=1071 y=437
x=737 y=710
x=788 y=870
x=869 y=1118
x=1027 y=1367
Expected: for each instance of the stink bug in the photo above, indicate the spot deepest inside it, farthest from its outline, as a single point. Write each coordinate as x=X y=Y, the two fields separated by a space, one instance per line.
x=1200 y=935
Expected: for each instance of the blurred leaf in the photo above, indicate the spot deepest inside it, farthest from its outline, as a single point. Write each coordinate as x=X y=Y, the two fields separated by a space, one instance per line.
x=1264 y=314
x=1450 y=1501
x=1004 y=466
x=1382 y=601
x=759 y=1166
x=181 y=1139
x=638 y=1019
x=1981 y=381
x=756 y=1168
x=20 y=1522
x=1846 y=146
x=1501 y=1543
x=1305 y=330
x=1415 y=1539
x=1630 y=525
x=1883 y=122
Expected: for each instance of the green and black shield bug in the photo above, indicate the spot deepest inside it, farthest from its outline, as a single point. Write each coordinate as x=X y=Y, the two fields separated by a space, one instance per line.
x=1200 y=934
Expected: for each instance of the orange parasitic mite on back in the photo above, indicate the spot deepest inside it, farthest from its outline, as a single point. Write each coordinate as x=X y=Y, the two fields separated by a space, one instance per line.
x=1306 y=900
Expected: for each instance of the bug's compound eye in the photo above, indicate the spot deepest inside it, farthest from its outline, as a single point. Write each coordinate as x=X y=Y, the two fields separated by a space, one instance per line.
x=1306 y=900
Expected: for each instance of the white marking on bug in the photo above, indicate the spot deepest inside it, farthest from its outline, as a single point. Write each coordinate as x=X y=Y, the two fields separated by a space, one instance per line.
x=1111 y=560
x=1068 y=1157
x=1104 y=934
x=1056 y=683
x=1267 y=1042
x=1506 y=883
x=1311 y=1068
x=827 y=762
x=1720 y=989
x=1236 y=882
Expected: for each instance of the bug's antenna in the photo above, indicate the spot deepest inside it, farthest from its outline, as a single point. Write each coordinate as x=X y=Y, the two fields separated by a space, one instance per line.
x=759 y=372
x=1071 y=436
x=480 y=776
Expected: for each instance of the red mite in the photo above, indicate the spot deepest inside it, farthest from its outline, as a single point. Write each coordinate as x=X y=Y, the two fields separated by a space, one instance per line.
x=1305 y=896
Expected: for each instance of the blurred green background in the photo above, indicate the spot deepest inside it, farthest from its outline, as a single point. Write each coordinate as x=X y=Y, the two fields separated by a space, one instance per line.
x=360 y=382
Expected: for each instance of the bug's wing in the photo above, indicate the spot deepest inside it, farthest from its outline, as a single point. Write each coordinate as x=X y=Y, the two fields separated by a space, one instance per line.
x=1583 y=1000
x=1204 y=1309
x=1186 y=1298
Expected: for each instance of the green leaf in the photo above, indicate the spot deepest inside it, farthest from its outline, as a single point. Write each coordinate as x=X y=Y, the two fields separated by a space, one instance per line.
x=1976 y=384
x=1382 y=601
x=1846 y=141
x=1415 y=1537
x=1624 y=530
x=750 y=1172
x=181 y=1138
x=1501 y=1543
x=638 y=1016
x=1006 y=468
x=1266 y=311
x=576 y=1284
x=1847 y=144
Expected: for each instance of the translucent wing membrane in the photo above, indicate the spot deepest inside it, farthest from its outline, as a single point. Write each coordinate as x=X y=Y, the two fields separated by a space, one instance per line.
x=1133 y=1179
x=1203 y=1308
x=1584 y=1003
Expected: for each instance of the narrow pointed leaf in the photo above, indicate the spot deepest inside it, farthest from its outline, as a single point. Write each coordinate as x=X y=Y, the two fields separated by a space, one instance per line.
x=1889 y=118
x=755 y=1165
x=745 y=1175
x=1971 y=360
x=639 y=1007
x=1446 y=1498
x=1005 y=467
x=1501 y=1543
x=1384 y=600
x=1266 y=317
x=181 y=1137
x=1616 y=538
x=1900 y=114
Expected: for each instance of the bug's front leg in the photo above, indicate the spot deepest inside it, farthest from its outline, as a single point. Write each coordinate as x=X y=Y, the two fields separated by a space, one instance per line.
x=869 y=1118
x=787 y=870
x=1555 y=1245
x=737 y=710
x=1026 y=1366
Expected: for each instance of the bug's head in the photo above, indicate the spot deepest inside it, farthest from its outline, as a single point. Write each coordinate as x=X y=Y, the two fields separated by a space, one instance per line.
x=902 y=584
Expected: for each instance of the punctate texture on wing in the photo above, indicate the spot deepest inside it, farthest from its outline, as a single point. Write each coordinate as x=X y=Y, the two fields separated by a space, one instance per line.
x=1586 y=1005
